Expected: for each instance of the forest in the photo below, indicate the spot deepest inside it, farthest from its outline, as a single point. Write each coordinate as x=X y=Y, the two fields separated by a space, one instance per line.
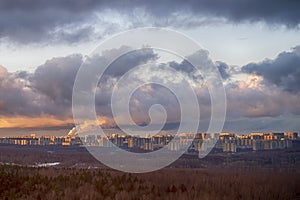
x=19 y=182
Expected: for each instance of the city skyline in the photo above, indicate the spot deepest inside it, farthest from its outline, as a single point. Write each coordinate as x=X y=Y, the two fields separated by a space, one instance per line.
x=199 y=142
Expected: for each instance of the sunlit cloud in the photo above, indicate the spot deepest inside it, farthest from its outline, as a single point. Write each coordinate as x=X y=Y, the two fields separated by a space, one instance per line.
x=29 y=122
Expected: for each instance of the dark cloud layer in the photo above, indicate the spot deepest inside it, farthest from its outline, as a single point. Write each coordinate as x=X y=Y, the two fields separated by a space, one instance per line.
x=50 y=25
x=15 y=98
x=49 y=89
x=283 y=71
x=72 y=21
x=55 y=78
x=224 y=70
x=128 y=61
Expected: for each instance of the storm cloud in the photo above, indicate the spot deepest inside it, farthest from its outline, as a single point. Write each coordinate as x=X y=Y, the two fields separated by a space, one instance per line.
x=73 y=21
x=254 y=99
x=283 y=71
x=48 y=90
x=15 y=97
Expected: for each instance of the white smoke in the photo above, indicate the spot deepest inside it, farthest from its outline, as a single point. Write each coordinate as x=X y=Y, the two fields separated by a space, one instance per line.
x=73 y=132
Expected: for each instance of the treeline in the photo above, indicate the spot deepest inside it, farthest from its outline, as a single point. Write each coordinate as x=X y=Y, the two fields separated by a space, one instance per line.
x=64 y=183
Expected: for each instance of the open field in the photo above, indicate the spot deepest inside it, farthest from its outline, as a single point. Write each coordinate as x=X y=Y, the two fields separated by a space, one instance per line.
x=287 y=160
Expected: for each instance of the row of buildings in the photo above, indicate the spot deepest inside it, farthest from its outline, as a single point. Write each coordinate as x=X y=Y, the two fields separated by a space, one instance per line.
x=200 y=142
x=256 y=141
x=43 y=140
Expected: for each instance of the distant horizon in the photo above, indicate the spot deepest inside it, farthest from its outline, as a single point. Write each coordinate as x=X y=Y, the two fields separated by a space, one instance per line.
x=10 y=132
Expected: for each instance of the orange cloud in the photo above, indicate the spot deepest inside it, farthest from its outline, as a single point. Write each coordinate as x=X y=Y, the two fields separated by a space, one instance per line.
x=253 y=82
x=27 y=122
x=42 y=121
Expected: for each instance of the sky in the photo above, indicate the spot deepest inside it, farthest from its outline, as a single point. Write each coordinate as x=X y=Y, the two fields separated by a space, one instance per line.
x=254 y=44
